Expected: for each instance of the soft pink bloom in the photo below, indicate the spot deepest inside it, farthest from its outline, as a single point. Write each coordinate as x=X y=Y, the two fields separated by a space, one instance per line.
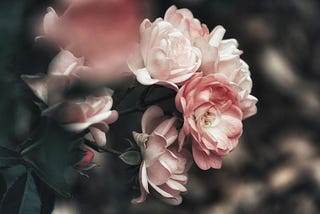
x=63 y=71
x=212 y=116
x=163 y=168
x=94 y=113
x=183 y=20
x=223 y=56
x=164 y=56
x=101 y=31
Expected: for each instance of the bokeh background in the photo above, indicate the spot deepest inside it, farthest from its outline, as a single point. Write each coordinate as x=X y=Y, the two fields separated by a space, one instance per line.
x=275 y=168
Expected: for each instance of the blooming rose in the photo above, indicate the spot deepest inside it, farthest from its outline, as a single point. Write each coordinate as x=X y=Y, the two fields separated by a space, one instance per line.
x=94 y=113
x=212 y=116
x=183 y=20
x=98 y=31
x=165 y=56
x=223 y=56
x=163 y=167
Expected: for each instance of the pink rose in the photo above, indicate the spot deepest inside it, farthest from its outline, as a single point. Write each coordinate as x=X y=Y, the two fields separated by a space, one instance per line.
x=163 y=167
x=223 y=56
x=212 y=116
x=94 y=113
x=183 y=20
x=165 y=56
x=101 y=31
x=63 y=71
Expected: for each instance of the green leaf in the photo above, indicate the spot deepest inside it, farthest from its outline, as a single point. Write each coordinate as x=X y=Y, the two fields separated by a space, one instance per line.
x=131 y=157
x=9 y=157
x=22 y=197
x=47 y=195
x=52 y=158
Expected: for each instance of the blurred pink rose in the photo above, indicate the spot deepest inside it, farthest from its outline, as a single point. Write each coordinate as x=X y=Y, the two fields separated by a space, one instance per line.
x=63 y=71
x=163 y=167
x=101 y=31
x=212 y=116
x=76 y=115
x=165 y=56
x=223 y=56
x=183 y=20
x=94 y=113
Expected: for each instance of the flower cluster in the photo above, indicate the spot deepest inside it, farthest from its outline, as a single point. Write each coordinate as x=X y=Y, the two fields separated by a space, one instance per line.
x=211 y=85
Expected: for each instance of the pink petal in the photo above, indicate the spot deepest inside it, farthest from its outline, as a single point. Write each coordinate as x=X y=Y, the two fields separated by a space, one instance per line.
x=143 y=185
x=143 y=177
x=61 y=63
x=135 y=60
x=164 y=127
x=205 y=161
x=150 y=119
x=38 y=85
x=156 y=146
x=175 y=185
x=163 y=191
x=216 y=36
x=144 y=77
x=98 y=136
x=157 y=173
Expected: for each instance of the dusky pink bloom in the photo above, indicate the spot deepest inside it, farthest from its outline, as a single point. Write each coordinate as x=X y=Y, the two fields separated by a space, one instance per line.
x=101 y=31
x=163 y=168
x=222 y=56
x=76 y=115
x=183 y=20
x=63 y=71
x=212 y=116
x=164 y=56
x=94 y=113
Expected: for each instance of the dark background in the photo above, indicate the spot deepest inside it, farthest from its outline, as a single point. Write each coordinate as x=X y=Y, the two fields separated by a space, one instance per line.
x=275 y=168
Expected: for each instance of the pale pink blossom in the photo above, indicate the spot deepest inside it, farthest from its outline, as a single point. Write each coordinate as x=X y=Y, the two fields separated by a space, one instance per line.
x=163 y=168
x=64 y=70
x=183 y=20
x=164 y=56
x=223 y=56
x=101 y=31
x=76 y=115
x=212 y=116
x=93 y=112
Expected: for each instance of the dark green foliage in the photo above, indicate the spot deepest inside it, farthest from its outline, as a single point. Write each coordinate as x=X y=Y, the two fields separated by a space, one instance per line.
x=52 y=158
x=22 y=197
x=9 y=157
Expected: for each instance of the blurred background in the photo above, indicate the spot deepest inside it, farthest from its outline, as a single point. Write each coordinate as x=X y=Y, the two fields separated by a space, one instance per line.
x=275 y=168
